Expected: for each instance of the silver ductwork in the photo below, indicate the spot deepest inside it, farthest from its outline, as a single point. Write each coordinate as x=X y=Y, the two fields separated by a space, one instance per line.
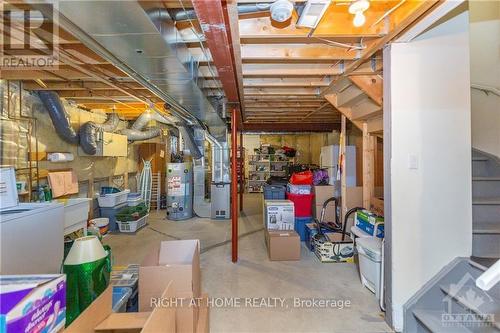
x=144 y=43
x=135 y=132
x=187 y=134
x=59 y=116
x=190 y=14
x=109 y=125
x=213 y=141
x=138 y=135
x=87 y=133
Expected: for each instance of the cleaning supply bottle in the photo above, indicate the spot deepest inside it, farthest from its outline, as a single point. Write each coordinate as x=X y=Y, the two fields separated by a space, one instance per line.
x=41 y=194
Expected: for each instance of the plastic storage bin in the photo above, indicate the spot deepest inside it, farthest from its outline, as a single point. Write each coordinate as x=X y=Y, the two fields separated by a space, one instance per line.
x=109 y=190
x=110 y=213
x=311 y=230
x=121 y=296
x=299 y=189
x=300 y=226
x=132 y=226
x=112 y=199
x=134 y=199
x=302 y=202
x=274 y=192
x=127 y=277
x=370 y=262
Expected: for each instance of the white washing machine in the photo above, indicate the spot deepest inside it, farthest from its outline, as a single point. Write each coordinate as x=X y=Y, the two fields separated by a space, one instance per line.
x=31 y=234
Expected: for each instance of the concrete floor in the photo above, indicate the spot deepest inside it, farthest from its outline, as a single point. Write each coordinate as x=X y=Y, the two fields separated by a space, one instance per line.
x=254 y=276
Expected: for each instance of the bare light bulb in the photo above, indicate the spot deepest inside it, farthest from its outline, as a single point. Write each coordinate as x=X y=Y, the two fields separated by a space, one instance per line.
x=359 y=19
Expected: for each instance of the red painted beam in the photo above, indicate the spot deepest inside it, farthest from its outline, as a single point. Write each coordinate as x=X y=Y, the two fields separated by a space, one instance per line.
x=210 y=14
x=234 y=186
x=290 y=127
x=242 y=173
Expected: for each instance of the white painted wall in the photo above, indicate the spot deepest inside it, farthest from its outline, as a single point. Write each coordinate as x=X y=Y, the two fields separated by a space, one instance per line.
x=485 y=70
x=427 y=114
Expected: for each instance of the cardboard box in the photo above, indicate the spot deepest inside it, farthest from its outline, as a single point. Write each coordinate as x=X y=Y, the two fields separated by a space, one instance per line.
x=323 y=193
x=98 y=317
x=179 y=262
x=370 y=223
x=283 y=245
x=334 y=249
x=279 y=214
x=354 y=197
x=329 y=212
x=203 y=325
x=32 y=303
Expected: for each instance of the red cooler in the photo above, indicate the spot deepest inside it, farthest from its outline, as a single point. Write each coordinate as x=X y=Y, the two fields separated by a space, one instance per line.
x=302 y=203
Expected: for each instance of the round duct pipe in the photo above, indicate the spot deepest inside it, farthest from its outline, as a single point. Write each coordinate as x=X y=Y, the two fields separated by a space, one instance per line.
x=59 y=117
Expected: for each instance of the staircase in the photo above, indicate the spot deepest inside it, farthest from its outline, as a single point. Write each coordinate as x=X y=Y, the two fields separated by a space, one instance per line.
x=451 y=303
x=485 y=207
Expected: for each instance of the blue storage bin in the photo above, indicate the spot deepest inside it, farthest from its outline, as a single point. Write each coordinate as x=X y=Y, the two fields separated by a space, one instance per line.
x=368 y=228
x=110 y=213
x=274 y=192
x=300 y=226
x=311 y=230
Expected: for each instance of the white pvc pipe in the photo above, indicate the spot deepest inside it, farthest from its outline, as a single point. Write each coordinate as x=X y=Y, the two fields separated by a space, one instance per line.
x=490 y=277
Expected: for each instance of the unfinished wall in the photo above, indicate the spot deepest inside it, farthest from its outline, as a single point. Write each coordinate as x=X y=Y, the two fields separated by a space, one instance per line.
x=428 y=201
x=308 y=145
x=485 y=70
x=15 y=117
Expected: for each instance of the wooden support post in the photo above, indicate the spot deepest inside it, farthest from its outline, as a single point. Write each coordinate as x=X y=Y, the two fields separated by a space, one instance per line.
x=368 y=167
x=343 y=178
x=234 y=186
x=125 y=179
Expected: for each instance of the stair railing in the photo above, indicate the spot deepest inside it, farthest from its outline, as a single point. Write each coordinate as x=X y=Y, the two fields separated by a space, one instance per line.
x=486 y=89
x=490 y=277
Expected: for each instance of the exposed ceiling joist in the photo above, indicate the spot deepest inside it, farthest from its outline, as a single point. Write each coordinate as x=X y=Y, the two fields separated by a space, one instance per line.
x=370 y=85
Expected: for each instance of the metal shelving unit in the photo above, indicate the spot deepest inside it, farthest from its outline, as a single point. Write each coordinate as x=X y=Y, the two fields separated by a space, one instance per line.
x=263 y=166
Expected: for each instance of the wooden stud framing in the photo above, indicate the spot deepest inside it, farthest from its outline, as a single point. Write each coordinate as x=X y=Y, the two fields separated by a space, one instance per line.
x=368 y=167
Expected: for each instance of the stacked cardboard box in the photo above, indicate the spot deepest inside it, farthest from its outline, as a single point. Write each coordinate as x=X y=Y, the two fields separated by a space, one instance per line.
x=368 y=221
x=321 y=194
x=282 y=242
x=179 y=262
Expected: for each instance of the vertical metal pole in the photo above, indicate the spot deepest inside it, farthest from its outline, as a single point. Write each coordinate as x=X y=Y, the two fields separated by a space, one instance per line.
x=242 y=172
x=234 y=187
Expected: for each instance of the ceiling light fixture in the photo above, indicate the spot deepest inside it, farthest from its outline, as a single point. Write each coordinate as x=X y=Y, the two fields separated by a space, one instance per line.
x=357 y=8
x=281 y=10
